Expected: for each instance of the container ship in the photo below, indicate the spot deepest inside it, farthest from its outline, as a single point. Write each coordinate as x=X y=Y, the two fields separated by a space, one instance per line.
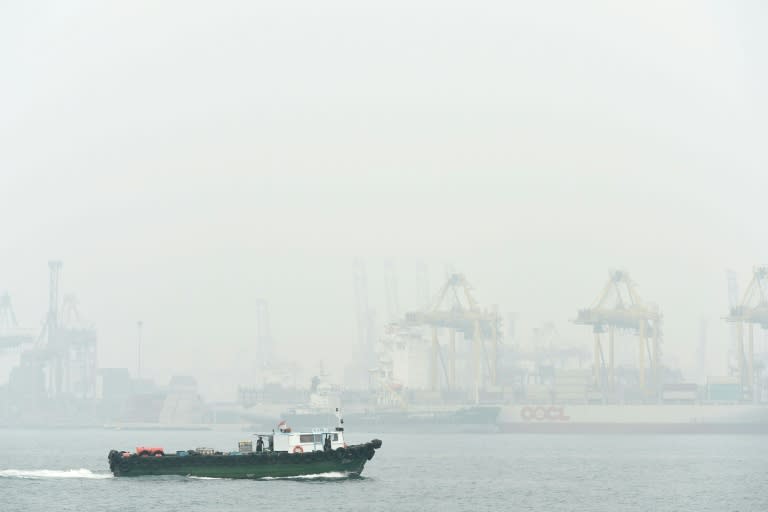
x=390 y=418
x=467 y=419
x=719 y=407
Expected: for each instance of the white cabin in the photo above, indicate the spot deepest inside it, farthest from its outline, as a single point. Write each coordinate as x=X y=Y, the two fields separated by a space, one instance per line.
x=303 y=442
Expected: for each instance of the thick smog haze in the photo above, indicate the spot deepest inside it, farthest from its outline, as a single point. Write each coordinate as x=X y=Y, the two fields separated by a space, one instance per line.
x=186 y=159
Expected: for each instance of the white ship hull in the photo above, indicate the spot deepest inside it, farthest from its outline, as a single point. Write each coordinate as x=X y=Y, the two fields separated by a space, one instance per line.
x=599 y=419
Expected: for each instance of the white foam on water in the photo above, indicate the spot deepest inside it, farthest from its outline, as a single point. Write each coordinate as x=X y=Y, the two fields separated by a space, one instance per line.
x=330 y=474
x=41 y=474
x=203 y=477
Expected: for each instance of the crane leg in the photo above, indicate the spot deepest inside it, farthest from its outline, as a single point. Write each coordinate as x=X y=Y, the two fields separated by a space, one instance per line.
x=476 y=357
x=751 y=360
x=656 y=358
x=596 y=363
x=740 y=351
x=433 y=372
x=611 y=367
x=452 y=363
x=641 y=359
x=494 y=349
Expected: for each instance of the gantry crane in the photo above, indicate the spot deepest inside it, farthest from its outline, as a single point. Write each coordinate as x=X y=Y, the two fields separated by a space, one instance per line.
x=548 y=349
x=365 y=316
x=66 y=347
x=464 y=315
x=619 y=307
x=753 y=309
x=11 y=335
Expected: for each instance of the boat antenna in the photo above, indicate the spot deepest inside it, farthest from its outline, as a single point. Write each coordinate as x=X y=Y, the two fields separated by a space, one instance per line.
x=340 y=421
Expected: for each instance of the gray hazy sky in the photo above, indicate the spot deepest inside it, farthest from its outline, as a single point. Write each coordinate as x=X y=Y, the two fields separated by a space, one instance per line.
x=186 y=158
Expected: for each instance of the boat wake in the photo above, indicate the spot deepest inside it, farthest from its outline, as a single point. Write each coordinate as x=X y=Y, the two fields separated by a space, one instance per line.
x=331 y=475
x=43 y=474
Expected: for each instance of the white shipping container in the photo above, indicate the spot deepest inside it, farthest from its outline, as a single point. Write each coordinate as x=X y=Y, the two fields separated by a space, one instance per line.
x=680 y=395
x=579 y=373
x=571 y=386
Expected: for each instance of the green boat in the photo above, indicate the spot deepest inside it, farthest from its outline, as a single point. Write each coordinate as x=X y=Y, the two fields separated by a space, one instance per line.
x=281 y=454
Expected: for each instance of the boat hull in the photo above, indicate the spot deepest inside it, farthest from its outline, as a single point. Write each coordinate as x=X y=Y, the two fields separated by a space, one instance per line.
x=350 y=461
x=634 y=419
x=634 y=428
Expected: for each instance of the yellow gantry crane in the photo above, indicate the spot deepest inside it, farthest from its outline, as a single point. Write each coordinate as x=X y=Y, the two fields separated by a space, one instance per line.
x=753 y=309
x=619 y=307
x=456 y=309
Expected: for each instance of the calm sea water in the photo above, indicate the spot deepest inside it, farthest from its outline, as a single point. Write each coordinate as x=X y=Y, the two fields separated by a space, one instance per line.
x=66 y=470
